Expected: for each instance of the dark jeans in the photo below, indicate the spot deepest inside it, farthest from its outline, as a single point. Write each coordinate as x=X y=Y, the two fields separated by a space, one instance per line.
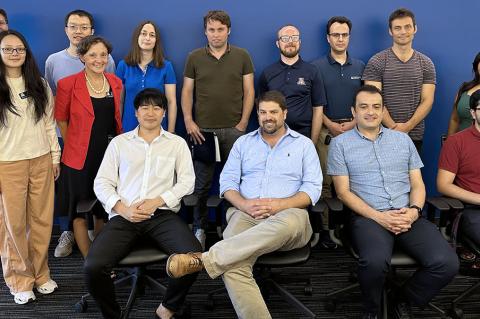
x=418 y=146
x=115 y=241
x=437 y=261
x=470 y=224
x=204 y=173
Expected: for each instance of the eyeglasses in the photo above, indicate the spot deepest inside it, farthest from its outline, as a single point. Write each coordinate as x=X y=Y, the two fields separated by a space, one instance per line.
x=337 y=36
x=289 y=38
x=83 y=28
x=11 y=50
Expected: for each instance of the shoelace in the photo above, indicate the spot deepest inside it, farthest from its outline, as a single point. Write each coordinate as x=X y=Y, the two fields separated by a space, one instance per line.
x=64 y=239
x=403 y=309
x=195 y=261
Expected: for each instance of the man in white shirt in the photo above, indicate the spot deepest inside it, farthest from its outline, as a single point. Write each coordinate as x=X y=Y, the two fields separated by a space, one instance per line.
x=141 y=181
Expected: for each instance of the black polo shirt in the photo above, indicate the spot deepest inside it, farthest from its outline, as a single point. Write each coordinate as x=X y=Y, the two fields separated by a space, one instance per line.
x=302 y=86
x=340 y=84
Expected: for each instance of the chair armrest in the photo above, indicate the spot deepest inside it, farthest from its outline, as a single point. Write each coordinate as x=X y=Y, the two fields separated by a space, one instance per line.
x=436 y=203
x=453 y=203
x=190 y=200
x=214 y=201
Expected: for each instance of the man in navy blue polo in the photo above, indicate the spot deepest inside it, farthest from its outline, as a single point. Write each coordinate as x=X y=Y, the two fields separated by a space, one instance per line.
x=341 y=75
x=300 y=83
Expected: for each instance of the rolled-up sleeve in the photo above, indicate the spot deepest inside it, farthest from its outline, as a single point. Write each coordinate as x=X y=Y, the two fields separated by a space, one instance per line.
x=106 y=181
x=312 y=174
x=185 y=179
x=230 y=176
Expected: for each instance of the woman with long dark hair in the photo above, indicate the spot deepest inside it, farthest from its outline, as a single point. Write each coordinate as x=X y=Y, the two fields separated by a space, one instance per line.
x=87 y=110
x=461 y=117
x=146 y=67
x=29 y=163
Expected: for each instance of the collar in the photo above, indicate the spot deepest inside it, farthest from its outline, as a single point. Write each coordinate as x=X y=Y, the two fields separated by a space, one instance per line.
x=207 y=49
x=380 y=133
x=296 y=65
x=134 y=134
x=289 y=131
x=332 y=61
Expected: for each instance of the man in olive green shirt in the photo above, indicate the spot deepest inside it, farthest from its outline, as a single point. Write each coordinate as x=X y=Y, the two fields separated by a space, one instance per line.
x=221 y=75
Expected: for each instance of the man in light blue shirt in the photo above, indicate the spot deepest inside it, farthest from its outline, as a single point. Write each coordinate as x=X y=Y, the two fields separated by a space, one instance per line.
x=270 y=177
x=376 y=172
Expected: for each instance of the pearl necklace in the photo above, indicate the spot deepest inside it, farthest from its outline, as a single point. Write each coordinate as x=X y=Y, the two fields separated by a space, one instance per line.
x=102 y=90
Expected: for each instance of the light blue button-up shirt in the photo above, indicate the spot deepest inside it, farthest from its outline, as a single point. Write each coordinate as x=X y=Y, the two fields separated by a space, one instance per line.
x=379 y=170
x=257 y=170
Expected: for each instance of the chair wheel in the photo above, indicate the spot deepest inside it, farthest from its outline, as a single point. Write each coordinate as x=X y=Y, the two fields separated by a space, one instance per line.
x=456 y=313
x=308 y=290
x=81 y=306
x=331 y=305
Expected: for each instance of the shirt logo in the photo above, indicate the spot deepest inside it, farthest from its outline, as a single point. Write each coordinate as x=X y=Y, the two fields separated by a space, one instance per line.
x=301 y=81
x=355 y=77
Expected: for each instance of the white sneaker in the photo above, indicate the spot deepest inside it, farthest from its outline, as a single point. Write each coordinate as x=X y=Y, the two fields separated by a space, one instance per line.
x=65 y=244
x=23 y=297
x=48 y=287
x=91 y=235
x=201 y=236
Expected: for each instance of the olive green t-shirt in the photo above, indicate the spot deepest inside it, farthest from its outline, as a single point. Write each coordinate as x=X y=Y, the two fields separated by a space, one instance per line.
x=218 y=85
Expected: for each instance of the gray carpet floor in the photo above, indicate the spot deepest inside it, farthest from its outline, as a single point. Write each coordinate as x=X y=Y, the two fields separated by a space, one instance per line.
x=329 y=270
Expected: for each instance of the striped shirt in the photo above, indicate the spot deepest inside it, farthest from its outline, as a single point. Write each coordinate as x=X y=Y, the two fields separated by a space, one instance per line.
x=401 y=84
x=378 y=170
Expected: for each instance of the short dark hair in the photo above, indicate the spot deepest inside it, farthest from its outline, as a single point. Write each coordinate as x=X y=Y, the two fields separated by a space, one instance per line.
x=4 y=13
x=401 y=13
x=475 y=100
x=81 y=13
x=150 y=96
x=372 y=89
x=217 y=15
x=341 y=20
x=87 y=42
x=273 y=96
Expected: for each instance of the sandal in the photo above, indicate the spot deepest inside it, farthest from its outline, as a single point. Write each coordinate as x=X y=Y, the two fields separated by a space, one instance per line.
x=466 y=254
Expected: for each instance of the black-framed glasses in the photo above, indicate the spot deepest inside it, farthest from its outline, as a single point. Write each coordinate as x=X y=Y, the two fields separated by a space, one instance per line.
x=338 y=35
x=11 y=50
x=289 y=38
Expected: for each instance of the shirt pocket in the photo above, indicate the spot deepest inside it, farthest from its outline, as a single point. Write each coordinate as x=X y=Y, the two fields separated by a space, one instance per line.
x=165 y=168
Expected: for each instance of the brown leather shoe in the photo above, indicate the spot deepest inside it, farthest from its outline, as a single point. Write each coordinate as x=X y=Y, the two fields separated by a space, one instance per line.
x=179 y=265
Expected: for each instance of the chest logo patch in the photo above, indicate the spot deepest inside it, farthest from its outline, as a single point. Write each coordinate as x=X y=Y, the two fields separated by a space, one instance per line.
x=301 y=81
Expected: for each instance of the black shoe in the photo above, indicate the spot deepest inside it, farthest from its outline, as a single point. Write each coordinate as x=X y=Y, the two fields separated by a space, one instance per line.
x=402 y=310
x=326 y=241
x=368 y=315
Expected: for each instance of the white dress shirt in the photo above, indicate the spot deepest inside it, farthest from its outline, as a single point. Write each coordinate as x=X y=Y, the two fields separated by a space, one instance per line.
x=133 y=170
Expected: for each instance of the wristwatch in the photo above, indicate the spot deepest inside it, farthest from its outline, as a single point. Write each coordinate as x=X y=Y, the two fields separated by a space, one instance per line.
x=418 y=209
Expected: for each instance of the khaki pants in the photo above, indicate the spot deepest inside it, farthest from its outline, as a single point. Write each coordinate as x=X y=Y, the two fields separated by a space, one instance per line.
x=245 y=239
x=26 y=217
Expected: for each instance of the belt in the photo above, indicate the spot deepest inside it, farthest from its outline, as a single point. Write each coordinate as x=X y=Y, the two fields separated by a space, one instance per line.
x=340 y=121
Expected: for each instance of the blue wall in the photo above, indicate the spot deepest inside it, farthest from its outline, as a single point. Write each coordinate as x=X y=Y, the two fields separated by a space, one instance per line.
x=447 y=33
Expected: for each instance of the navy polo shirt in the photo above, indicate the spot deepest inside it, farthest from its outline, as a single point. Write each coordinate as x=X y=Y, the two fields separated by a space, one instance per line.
x=340 y=82
x=302 y=86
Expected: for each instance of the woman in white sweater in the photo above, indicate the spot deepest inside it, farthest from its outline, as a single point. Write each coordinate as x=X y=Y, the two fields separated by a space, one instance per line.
x=29 y=163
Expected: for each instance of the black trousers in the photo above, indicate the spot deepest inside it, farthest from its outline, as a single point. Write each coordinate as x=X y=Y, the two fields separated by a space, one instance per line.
x=470 y=223
x=166 y=229
x=438 y=262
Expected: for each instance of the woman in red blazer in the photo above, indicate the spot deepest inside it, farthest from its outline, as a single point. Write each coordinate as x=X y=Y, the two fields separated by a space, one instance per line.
x=87 y=110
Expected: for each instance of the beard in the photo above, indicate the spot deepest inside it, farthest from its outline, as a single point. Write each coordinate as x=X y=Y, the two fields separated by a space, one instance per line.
x=290 y=53
x=270 y=129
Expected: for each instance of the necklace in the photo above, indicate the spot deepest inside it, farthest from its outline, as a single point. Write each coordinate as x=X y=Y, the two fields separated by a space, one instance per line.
x=93 y=89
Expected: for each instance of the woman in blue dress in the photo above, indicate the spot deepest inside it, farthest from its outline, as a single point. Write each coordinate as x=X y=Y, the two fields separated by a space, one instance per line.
x=146 y=67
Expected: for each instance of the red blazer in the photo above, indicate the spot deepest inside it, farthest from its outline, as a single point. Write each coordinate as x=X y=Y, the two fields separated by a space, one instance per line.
x=73 y=104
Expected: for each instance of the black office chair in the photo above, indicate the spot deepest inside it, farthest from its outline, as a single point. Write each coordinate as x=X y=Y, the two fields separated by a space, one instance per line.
x=215 y=202
x=338 y=218
x=270 y=280
x=142 y=255
x=456 y=207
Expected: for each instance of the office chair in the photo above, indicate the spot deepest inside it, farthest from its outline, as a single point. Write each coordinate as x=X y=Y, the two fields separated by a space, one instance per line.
x=338 y=218
x=456 y=206
x=270 y=281
x=142 y=255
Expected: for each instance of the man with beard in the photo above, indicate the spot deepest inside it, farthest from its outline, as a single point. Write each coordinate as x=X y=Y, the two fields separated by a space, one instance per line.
x=271 y=176
x=220 y=75
x=299 y=81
